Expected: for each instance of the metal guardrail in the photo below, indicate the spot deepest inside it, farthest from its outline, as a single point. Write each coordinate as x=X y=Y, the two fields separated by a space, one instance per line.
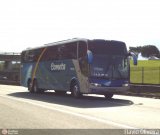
x=10 y=75
x=10 y=53
x=10 y=56
x=145 y=75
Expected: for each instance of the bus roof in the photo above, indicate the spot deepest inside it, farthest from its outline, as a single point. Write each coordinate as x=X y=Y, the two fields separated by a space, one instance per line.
x=58 y=43
x=69 y=41
x=66 y=41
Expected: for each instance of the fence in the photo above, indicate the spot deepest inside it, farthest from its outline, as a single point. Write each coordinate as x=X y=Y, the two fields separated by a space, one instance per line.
x=138 y=75
x=10 y=77
x=9 y=53
x=145 y=75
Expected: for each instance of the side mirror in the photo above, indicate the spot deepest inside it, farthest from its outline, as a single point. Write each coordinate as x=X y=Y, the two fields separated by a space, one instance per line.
x=89 y=57
x=134 y=58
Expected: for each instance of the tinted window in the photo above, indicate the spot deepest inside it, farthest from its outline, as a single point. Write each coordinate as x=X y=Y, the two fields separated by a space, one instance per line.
x=51 y=53
x=23 y=57
x=82 y=49
x=107 y=47
x=58 y=52
x=27 y=56
x=68 y=51
x=37 y=53
x=31 y=55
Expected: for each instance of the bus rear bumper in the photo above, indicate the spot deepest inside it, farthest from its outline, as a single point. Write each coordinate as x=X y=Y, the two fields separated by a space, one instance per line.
x=105 y=90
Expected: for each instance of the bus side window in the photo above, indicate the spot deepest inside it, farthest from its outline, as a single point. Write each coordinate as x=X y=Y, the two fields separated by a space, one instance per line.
x=37 y=54
x=82 y=49
x=68 y=51
x=22 y=57
x=50 y=54
x=27 y=56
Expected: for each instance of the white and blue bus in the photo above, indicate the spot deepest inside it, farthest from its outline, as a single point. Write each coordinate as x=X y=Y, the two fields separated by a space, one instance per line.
x=81 y=66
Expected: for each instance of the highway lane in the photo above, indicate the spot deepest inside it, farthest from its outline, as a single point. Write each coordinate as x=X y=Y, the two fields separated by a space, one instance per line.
x=21 y=109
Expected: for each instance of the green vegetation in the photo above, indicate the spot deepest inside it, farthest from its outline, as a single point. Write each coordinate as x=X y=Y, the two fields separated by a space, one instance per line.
x=146 y=63
x=147 y=72
x=146 y=51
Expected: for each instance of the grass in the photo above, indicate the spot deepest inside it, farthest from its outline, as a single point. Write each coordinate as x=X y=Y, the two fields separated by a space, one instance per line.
x=147 y=72
x=146 y=63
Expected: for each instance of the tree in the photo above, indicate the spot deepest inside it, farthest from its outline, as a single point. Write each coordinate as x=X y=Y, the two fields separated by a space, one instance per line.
x=135 y=49
x=146 y=51
x=149 y=50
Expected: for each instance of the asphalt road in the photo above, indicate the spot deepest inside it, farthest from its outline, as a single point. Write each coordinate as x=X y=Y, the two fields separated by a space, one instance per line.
x=20 y=109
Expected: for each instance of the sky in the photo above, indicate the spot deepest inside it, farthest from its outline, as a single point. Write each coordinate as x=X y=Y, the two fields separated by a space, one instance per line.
x=33 y=23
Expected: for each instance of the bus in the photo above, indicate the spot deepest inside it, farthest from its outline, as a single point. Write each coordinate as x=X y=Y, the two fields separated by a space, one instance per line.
x=81 y=66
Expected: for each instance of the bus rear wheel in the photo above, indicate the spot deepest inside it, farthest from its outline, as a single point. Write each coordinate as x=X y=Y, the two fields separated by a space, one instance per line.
x=30 y=88
x=108 y=96
x=35 y=87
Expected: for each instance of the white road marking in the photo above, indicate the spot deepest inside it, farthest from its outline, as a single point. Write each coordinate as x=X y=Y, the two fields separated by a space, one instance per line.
x=75 y=114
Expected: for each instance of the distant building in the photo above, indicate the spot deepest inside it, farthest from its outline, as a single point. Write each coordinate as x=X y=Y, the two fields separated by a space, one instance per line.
x=153 y=58
x=140 y=57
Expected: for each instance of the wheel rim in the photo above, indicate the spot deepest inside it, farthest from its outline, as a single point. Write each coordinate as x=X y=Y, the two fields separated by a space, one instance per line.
x=75 y=90
x=30 y=86
x=35 y=89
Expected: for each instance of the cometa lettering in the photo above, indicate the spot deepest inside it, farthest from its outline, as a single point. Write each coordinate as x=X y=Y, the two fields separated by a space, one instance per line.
x=58 y=67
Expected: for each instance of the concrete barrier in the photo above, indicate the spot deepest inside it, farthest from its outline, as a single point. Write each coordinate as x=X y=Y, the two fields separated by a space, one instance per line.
x=9 y=82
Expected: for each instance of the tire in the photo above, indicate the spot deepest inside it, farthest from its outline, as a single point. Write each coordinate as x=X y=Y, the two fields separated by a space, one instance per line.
x=30 y=88
x=108 y=96
x=76 y=90
x=35 y=87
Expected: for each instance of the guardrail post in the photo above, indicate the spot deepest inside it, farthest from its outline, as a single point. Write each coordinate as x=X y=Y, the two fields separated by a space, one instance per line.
x=142 y=75
x=159 y=75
